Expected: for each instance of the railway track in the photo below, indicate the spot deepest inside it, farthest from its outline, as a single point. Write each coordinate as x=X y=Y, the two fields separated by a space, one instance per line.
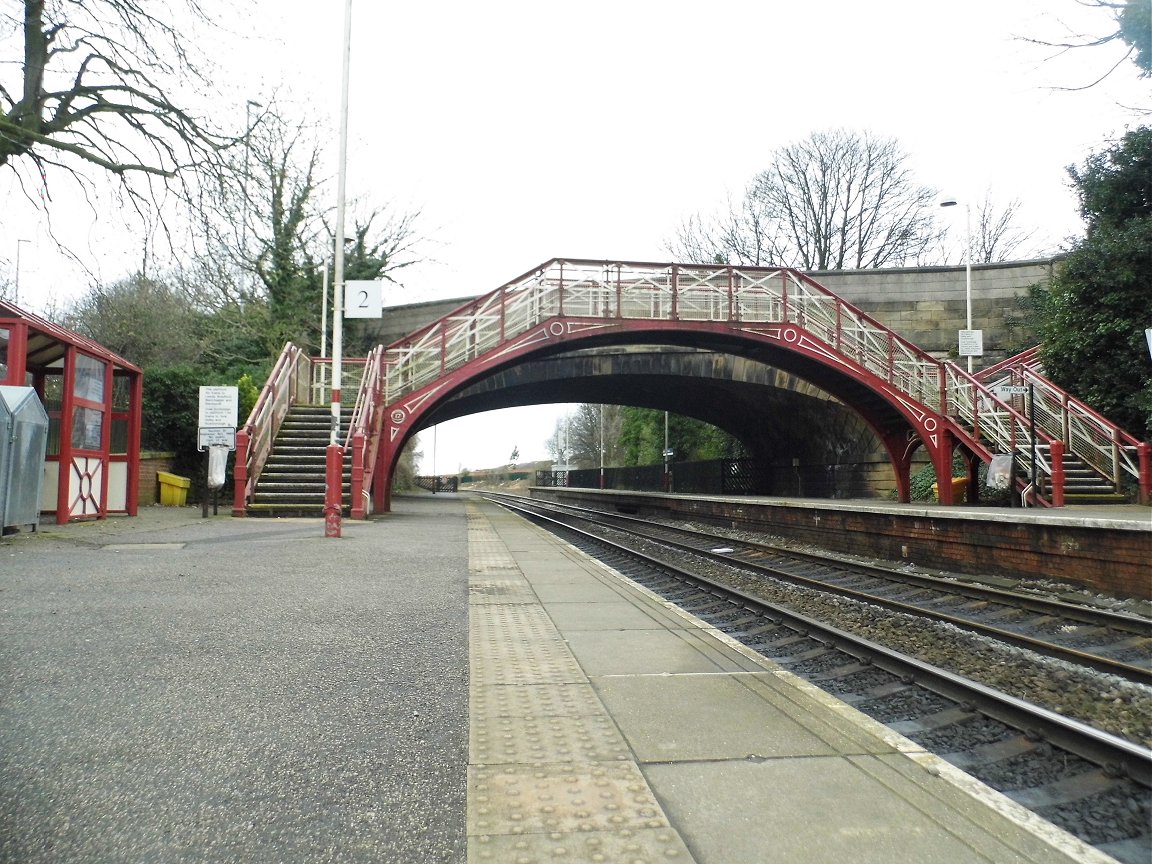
x=1110 y=642
x=1095 y=784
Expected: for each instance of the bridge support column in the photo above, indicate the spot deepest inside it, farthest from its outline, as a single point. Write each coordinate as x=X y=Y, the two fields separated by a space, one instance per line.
x=359 y=508
x=972 y=493
x=942 y=462
x=382 y=480
x=900 y=450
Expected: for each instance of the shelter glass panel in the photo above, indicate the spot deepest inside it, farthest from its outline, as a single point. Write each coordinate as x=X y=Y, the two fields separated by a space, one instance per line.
x=121 y=401
x=89 y=383
x=53 y=397
x=87 y=428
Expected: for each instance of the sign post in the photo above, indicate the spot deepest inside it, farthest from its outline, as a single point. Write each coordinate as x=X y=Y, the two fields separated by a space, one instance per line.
x=217 y=435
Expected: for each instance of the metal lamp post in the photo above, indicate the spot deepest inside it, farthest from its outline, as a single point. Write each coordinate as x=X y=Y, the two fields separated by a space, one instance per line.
x=952 y=202
x=248 y=106
x=334 y=464
x=16 y=299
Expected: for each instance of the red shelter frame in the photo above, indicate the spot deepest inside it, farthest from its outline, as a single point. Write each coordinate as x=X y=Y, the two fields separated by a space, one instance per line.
x=94 y=402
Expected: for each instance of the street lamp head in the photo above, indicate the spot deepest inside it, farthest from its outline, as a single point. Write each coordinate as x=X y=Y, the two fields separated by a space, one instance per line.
x=948 y=202
x=254 y=104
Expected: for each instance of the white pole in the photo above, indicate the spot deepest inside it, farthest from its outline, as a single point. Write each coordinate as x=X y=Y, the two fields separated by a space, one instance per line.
x=334 y=489
x=968 y=269
x=324 y=330
x=248 y=106
x=16 y=299
x=601 y=445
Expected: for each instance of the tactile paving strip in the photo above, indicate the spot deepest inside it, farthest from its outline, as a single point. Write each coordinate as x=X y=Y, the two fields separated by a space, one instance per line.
x=544 y=798
x=536 y=700
x=626 y=846
x=517 y=644
x=550 y=777
x=499 y=740
x=500 y=591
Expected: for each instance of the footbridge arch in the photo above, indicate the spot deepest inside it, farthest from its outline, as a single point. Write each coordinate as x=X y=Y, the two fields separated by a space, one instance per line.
x=777 y=316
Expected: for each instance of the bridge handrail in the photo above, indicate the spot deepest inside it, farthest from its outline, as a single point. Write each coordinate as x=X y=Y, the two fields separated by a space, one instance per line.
x=578 y=288
x=351 y=373
x=289 y=377
x=582 y=288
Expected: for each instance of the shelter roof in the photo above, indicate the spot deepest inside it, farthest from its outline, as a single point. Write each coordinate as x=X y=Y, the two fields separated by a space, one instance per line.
x=47 y=342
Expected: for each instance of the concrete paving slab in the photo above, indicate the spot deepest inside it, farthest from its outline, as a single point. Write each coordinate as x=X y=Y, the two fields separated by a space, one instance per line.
x=577 y=616
x=640 y=652
x=700 y=717
x=828 y=809
x=581 y=589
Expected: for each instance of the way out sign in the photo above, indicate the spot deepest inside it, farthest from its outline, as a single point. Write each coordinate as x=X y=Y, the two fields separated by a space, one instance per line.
x=363 y=299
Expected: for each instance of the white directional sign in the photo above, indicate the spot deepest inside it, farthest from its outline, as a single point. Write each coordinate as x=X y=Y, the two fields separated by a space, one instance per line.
x=1148 y=335
x=363 y=299
x=1011 y=390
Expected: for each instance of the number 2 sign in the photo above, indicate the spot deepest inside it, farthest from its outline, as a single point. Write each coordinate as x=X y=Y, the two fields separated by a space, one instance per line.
x=362 y=299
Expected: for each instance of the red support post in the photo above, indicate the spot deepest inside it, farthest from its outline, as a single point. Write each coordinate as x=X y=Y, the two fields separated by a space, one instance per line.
x=359 y=510
x=942 y=460
x=1144 y=457
x=333 y=489
x=240 y=474
x=1056 y=451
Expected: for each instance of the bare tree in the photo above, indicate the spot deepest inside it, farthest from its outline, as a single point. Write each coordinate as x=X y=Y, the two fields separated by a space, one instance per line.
x=1132 y=26
x=95 y=93
x=995 y=235
x=838 y=199
x=577 y=437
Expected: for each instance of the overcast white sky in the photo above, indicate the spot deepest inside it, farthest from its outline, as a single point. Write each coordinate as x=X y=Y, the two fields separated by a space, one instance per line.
x=524 y=130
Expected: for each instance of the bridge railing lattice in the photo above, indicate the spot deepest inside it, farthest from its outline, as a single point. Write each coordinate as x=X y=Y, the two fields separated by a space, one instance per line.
x=701 y=293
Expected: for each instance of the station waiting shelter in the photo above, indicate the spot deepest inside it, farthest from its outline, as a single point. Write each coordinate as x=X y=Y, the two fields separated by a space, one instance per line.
x=93 y=399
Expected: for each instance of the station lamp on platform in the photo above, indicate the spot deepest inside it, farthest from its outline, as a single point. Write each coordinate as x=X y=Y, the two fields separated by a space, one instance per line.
x=971 y=342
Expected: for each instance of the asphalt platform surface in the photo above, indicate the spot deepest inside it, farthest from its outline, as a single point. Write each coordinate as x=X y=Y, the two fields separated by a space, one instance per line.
x=180 y=689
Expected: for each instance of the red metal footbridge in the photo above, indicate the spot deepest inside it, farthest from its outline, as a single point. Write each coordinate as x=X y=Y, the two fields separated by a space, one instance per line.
x=910 y=399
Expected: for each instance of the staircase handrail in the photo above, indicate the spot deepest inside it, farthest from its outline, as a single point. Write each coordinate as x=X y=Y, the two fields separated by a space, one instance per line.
x=1087 y=433
x=1092 y=437
x=1026 y=359
x=289 y=377
x=991 y=425
x=364 y=431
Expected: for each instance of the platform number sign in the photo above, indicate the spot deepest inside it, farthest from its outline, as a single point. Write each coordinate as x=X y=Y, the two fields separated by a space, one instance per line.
x=362 y=299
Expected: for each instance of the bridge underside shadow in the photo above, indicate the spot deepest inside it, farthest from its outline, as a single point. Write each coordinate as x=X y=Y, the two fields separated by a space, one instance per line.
x=782 y=421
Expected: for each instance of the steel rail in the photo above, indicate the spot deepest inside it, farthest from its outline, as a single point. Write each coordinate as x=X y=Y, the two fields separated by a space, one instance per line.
x=1117 y=756
x=1132 y=624
x=1085 y=614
